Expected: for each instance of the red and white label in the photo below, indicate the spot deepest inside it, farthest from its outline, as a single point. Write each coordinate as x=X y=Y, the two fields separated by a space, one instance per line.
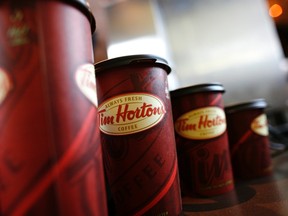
x=85 y=79
x=260 y=125
x=130 y=113
x=203 y=123
x=5 y=85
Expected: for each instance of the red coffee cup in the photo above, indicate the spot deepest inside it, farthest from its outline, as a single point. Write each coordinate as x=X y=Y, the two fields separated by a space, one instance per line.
x=51 y=157
x=201 y=139
x=248 y=139
x=137 y=135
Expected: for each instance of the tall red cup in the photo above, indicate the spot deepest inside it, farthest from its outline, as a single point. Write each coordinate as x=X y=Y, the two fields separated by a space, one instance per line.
x=248 y=139
x=50 y=152
x=137 y=135
x=201 y=139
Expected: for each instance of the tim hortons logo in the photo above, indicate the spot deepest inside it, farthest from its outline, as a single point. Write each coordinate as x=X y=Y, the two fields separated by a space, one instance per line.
x=130 y=113
x=85 y=79
x=5 y=85
x=260 y=125
x=203 y=123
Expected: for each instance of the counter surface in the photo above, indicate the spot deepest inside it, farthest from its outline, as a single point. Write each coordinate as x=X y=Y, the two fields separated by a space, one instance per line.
x=266 y=196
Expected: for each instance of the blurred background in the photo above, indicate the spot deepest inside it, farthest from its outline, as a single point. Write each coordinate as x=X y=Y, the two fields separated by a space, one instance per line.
x=241 y=44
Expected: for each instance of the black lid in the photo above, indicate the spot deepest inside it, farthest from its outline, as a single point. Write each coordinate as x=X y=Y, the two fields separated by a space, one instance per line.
x=83 y=5
x=206 y=87
x=132 y=60
x=253 y=104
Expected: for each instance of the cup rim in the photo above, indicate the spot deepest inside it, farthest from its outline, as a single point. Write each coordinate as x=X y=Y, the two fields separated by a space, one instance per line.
x=258 y=103
x=141 y=59
x=204 y=87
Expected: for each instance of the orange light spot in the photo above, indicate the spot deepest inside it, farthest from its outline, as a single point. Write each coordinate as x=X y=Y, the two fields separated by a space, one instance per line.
x=275 y=10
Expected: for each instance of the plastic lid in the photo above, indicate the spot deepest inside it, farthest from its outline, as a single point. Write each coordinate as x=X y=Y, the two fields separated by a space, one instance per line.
x=253 y=104
x=85 y=8
x=132 y=60
x=206 y=87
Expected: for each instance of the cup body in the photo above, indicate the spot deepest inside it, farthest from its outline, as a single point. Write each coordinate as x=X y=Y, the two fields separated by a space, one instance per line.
x=137 y=135
x=248 y=139
x=51 y=158
x=201 y=139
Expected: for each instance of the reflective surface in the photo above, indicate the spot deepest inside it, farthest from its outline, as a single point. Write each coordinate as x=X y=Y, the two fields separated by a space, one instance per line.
x=263 y=196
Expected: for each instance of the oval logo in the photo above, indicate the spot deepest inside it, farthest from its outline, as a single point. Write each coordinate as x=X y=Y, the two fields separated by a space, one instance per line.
x=130 y=113
x=5 y=85
x=200 y=124
x=260 y=125
x=85 y=79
